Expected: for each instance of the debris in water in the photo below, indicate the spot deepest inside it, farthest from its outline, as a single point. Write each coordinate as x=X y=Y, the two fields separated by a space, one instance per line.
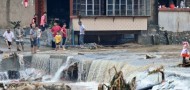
x=161 y=70
x=91 y=46
x=148 y=56
x=9 y=55
x=187 y=64
x=118 y=82
x=1 y=52
x=157 y=70
x=33 y=86
x=80 y=53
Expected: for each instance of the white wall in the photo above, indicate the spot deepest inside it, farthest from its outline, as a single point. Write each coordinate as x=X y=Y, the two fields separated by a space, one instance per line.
x=112 y=24
x=176 y=21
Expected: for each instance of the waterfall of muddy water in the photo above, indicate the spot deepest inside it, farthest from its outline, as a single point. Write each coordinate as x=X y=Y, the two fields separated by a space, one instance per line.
x=99 y=70
x=83 y=69
x=21 y=60
x=31 y=74
x=41 y=62
x=94 y=69
x=61 y=69
x=54 y=65
x=49 y=63
x=3 y=76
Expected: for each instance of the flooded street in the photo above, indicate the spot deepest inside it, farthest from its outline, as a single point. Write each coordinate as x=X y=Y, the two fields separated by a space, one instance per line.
x=84 y=69
x=94 y=45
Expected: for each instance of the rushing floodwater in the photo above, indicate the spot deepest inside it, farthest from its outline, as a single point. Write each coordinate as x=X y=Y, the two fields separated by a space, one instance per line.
x=57 y=75
x=93 y=69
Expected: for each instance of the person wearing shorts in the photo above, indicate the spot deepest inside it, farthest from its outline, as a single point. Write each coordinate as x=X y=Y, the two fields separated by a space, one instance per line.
x=9 y=43
x=34 y=43
x=9 y=36
x=33 y=38
x=58 y=39
x=19 y=34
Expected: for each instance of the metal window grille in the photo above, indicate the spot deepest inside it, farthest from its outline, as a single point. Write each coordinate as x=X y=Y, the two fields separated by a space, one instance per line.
x=113 y=7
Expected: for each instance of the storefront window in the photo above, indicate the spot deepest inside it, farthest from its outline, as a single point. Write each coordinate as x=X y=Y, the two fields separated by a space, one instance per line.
x=76 y=7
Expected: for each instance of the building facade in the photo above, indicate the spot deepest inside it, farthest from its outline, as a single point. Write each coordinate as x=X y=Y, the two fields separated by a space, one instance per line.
x=102 y=18
x=111 y=18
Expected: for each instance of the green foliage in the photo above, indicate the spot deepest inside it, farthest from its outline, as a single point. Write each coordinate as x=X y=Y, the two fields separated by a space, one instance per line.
x=15 y=23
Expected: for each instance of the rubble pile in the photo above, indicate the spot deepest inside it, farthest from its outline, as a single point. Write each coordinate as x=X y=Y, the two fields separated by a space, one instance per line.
x=33 y=86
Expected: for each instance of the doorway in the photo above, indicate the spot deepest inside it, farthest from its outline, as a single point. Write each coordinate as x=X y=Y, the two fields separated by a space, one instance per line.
x=58 y=9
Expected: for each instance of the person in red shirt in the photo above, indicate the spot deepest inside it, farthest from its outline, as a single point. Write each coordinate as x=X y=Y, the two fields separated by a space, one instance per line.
x=43 y=21
x=64 y=35
x=56 y=28
x=172 y=6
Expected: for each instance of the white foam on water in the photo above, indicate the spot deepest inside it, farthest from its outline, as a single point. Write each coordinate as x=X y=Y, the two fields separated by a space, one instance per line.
x=31 y=74
x=174 y=84
x=144 y=80
x=84 y=86
x=57 y=75
x=46 y=78
x=178 y=73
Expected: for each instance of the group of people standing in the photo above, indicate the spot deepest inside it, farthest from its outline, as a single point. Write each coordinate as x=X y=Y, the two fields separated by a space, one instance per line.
x=36 y=32
x=59 y=34
x=17 y=35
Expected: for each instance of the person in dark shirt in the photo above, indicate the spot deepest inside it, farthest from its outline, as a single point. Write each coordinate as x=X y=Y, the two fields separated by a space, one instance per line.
x=34 y=20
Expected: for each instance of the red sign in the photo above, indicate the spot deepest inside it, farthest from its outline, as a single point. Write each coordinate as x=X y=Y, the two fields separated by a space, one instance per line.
x=25 y=3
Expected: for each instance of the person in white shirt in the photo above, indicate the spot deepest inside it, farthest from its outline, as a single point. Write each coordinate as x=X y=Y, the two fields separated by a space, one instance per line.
x=182 y=4
x=82 y=33
x=9 y=36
